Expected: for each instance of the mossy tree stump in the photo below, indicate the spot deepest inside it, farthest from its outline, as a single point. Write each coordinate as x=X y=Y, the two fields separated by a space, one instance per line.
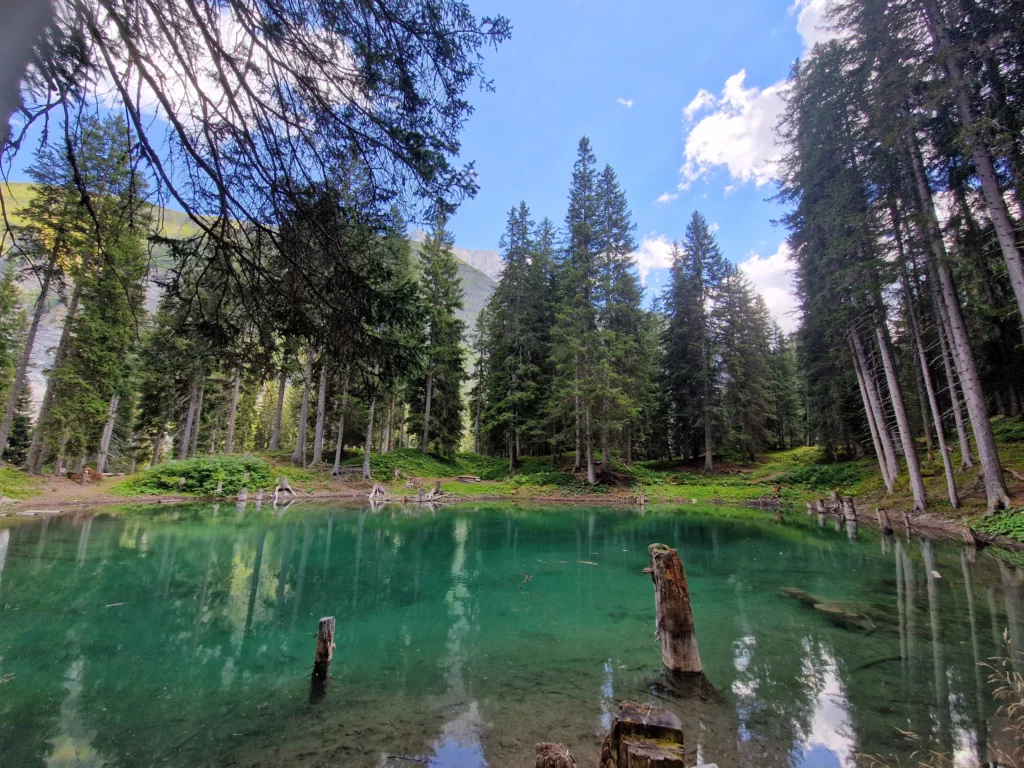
x=643 y=736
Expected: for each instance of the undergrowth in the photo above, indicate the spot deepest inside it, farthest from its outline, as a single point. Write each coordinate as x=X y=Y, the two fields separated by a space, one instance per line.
x=19 y=485
x=1009 y=523
x=201 y=476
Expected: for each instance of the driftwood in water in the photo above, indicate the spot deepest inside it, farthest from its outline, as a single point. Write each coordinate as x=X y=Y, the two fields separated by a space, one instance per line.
x=322 y=660
x=643 y=736
x=554 y=756
x=674 y=615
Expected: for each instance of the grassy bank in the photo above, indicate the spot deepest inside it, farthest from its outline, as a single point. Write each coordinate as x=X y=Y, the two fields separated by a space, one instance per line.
x=795 y=476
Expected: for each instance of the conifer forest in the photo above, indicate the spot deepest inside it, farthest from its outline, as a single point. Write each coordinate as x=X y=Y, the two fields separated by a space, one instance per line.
x=425 y=337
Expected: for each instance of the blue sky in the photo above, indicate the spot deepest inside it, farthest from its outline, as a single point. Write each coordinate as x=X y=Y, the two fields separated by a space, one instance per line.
x=568 y=69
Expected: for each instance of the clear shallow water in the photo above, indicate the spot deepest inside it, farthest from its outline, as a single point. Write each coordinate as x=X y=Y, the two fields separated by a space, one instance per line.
x=184 y=637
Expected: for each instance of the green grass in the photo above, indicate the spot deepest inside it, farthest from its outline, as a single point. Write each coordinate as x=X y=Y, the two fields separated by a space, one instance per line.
x=19 y=485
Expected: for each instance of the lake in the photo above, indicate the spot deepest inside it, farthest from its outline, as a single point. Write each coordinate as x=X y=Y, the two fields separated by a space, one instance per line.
x=184 y=636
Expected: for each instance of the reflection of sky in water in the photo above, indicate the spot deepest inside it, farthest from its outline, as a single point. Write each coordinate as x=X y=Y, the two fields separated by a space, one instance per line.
x=828 y=742
x=459 y=743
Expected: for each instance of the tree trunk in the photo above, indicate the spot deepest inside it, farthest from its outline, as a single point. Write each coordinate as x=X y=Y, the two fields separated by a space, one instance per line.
x=369 y=440
x=339 y=448
x=299 y=454
x=21 y=372
x=108 y=433
x=158 y=444
x=978 y=135
x=186 y=438
x=275 y=432
x=37 y=449
x=875 y=402
x=926 y=421
x=926 y=374
x=588 y=439
x=321 y=415
x=229 y=437
x=963 y=355
x=966 y=457
x=902 y=420
x=883 y=464
x=476 y=419
x=195 y=424
x=425 y=446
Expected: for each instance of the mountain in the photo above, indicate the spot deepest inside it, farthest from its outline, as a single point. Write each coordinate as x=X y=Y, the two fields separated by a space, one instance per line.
x=488 y=262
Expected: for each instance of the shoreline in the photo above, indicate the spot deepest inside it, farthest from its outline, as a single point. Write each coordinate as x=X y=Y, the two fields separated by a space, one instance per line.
x=40 y=506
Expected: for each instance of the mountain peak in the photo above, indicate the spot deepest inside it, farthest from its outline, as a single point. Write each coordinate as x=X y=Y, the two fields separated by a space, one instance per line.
x=488 y=262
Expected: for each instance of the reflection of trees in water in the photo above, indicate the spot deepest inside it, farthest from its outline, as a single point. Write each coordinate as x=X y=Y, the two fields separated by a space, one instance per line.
x=217 y=621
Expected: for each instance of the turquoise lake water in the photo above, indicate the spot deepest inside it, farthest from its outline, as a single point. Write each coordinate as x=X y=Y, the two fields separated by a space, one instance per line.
x=184 y=636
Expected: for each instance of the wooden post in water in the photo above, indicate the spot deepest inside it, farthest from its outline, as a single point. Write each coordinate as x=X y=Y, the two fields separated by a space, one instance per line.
x=322 y=660
x=554 y=756
x=674 y=616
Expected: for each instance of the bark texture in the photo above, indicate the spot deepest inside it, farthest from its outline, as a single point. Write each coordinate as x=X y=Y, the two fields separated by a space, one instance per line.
x=674 y=616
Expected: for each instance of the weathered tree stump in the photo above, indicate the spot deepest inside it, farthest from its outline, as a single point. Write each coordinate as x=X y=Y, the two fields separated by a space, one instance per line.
x=283 y=486
x=674 y=616
x=259 y=494
x=220 y=488
x=243 y=494
x=849 y=510
x=810 y=509
x=396 y=473
x=821 y=506
x=883 y=522
x=643 y=736
x=378 y=493
x=554 y=756
x=834 y=502
x=322 y=660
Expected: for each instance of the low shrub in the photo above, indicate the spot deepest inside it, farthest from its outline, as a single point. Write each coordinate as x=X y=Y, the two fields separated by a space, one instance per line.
x=822 y=476
x=201 y=476
x=1009 y=523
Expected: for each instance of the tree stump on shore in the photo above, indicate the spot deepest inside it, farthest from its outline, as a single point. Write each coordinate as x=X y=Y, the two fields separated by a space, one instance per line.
x=554 y=756
x=643 y=736
x=674 y=616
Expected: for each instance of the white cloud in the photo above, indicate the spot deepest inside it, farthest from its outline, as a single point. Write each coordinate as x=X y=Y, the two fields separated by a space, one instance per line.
x=666 y=198
x=714 y=227
x=811 y=21
x=700 y=101
x=772 y=277
x=739 y=133
x=655 y=252
x=627 y=103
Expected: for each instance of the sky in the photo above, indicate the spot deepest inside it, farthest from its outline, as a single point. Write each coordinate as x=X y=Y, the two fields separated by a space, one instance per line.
x=680 y=97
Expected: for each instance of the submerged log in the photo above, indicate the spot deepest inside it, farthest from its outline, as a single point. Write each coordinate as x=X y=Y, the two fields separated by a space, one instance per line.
x=643 y=736
x=674 y=615
x=554 y=756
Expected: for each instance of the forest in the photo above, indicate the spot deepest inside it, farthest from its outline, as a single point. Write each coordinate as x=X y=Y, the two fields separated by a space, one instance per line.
x=302 y=322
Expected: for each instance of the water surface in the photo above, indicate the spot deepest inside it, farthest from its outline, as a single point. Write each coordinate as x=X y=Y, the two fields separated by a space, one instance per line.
x=184 y=637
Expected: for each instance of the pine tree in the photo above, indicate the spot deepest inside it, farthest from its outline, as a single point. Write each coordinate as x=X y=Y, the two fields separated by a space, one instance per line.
x=437 y=400
x=691 y=338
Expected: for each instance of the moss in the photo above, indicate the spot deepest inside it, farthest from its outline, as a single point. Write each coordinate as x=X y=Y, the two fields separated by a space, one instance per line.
x=15 y=484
